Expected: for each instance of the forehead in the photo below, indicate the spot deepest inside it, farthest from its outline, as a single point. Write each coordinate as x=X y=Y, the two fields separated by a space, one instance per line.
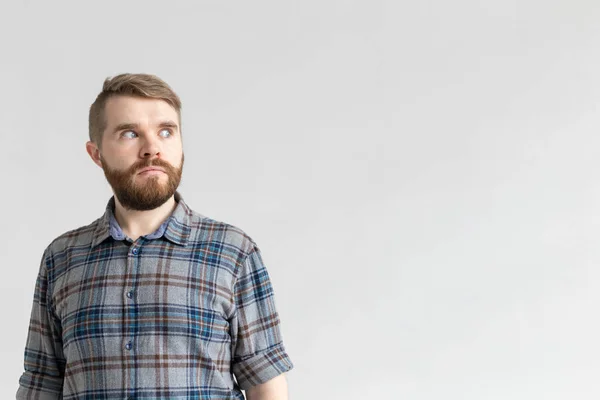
x=129 y=109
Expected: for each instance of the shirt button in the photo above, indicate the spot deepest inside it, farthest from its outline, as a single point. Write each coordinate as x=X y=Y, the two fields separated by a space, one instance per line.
x=128 y=346
x=130 y=294
x=134 y=251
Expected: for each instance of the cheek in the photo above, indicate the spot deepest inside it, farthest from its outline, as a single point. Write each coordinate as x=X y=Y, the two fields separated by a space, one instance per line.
x=173 y=158
x=120 y=161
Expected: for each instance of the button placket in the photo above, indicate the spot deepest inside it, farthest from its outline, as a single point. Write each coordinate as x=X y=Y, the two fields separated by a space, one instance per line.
x=134 y=251
x=133 y=260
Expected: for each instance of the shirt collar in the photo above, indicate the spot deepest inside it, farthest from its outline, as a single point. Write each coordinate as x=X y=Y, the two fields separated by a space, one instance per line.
x=175 y=228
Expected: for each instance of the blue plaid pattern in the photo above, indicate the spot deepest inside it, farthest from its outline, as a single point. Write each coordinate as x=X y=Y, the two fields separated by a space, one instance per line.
x=187 y=312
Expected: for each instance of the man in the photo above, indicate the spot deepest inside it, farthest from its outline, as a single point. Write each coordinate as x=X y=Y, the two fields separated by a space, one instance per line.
x=152 y=300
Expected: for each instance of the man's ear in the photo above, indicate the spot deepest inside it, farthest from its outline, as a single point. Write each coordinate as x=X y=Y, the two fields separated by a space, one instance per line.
x=94 y=153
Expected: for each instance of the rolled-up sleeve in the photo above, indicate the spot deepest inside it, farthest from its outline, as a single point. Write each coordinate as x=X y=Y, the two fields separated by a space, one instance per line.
x=44 y=361
x=259 y=353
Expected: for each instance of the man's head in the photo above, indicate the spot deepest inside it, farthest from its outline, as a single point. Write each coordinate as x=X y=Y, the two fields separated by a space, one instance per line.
x=135 y=123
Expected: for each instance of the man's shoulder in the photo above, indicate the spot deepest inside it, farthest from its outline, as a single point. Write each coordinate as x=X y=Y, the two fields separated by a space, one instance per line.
x=203 y=230
x=77 y=237
x=218 y=232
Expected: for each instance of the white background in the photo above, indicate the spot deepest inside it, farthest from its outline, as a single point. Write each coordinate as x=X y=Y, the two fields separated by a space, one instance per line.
x=421 y=177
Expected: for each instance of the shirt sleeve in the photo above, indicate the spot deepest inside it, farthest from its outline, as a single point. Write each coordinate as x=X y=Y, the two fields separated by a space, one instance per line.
x=258 y=351
x=44 y=360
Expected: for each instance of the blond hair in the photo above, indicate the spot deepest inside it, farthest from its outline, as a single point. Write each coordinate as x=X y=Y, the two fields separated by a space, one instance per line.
x=140 y=85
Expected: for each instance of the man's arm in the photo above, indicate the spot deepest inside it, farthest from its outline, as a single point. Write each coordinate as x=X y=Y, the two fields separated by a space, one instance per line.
x=258 y=355
x=44 y=361
x=274 y=389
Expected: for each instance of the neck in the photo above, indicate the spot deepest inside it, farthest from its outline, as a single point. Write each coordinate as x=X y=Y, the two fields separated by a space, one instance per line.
x=136 y=223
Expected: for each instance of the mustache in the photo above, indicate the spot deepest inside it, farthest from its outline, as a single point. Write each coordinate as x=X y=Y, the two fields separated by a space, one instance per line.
x=155 y=163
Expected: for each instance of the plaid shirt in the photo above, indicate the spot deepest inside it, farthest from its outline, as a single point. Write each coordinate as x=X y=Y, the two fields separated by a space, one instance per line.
x=172 y=315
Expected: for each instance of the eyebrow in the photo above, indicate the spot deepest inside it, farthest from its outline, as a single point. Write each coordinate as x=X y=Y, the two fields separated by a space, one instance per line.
x=133 y=125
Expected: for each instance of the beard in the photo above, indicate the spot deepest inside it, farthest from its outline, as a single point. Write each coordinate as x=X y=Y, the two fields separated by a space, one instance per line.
x=143 y=193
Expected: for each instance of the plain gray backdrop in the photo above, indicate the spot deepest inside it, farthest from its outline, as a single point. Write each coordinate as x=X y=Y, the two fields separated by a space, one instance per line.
x=422 y=177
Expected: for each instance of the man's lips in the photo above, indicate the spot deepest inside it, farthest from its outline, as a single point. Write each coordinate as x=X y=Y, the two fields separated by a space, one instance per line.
x=152 y=170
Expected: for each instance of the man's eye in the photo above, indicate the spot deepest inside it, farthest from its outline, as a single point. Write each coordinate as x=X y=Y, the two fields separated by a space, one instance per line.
x=168 y=131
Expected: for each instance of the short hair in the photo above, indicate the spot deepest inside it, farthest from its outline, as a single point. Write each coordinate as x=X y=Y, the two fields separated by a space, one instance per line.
x=140 y=85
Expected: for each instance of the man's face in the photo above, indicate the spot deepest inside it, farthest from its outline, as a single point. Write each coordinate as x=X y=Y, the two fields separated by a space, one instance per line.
x=141 y=133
